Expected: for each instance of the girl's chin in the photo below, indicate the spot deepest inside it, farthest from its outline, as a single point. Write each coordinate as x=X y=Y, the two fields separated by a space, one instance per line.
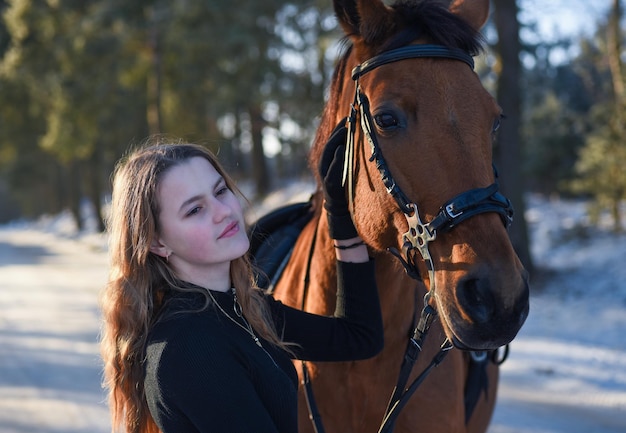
x=242 y=246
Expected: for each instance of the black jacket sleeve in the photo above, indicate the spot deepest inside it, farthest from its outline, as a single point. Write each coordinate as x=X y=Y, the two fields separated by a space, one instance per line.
x=355 y=331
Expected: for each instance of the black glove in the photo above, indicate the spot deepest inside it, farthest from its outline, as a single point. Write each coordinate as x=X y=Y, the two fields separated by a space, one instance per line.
x=331 y=169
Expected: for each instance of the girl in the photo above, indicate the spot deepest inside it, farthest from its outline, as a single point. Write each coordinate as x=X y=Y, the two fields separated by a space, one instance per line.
x=189 y=343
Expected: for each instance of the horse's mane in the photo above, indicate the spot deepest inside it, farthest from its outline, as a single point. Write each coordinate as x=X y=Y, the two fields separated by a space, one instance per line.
x=414 y=19
x=331 y=108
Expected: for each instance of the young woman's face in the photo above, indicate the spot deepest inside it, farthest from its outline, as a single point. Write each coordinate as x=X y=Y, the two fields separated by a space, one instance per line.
x=201 y=225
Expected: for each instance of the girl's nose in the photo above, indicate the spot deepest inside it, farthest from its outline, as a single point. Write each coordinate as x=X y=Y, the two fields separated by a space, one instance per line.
x=221 y=210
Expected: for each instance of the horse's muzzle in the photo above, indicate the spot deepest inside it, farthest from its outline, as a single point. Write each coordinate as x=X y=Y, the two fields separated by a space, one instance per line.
x=486 y=317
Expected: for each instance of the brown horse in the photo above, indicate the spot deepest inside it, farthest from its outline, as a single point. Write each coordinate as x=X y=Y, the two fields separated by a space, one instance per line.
x=421 y=140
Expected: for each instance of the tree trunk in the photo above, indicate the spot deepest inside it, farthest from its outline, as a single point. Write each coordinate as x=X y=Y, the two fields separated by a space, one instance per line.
x=74 y=195
x=154 y=115
x=618 y=123
x=259 y=164
x=614 y=50
x=507 y=154
x=95 y=182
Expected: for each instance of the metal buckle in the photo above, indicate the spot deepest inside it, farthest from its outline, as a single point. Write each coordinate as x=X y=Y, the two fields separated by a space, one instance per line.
x=451 y=213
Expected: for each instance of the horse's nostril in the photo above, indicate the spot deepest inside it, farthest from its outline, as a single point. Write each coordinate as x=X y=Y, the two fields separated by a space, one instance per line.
x=475 y=298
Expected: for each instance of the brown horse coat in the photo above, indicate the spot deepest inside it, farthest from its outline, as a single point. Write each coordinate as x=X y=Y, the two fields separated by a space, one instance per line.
x=434 y=121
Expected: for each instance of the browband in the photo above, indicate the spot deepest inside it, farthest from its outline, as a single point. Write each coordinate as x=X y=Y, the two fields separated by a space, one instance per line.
x=412 y=52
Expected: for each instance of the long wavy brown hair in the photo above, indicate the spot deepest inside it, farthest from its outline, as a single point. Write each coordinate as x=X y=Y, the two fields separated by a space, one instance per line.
x=133 y=296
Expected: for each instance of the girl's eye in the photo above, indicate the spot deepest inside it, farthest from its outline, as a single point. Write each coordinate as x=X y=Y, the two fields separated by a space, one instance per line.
x=193 y=211
x=222 y=190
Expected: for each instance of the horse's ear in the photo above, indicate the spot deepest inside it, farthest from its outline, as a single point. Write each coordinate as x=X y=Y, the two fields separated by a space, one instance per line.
x=369 y=20
x=474 y=12
x=348 y=16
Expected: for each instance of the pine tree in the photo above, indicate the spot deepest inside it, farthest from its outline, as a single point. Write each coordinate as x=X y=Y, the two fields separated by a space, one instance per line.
x=603 y=158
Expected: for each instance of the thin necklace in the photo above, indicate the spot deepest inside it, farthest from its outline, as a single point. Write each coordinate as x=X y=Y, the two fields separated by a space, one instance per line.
x=238 y=311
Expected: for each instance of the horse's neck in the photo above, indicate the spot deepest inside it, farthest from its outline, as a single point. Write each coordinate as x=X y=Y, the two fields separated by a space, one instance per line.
x=310 y=279
x=321 y=290
x=401 y=297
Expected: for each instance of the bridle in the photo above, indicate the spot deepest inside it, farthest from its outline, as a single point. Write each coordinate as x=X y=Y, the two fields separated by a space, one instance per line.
x=453 y=212
x=419 y=234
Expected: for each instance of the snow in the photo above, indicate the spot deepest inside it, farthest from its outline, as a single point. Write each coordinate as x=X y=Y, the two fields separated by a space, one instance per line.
x=566 y=371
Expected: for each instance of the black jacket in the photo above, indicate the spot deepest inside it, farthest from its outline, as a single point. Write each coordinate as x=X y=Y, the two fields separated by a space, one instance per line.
x=206 y=374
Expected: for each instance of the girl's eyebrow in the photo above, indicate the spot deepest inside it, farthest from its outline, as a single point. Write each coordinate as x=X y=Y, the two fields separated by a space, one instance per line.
x=190 y=200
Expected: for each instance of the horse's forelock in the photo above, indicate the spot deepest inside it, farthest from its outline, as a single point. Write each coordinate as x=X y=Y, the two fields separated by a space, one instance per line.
x=432 y=20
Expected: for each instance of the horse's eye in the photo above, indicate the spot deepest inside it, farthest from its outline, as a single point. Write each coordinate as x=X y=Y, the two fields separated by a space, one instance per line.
x=386 y=121
x=497 y=123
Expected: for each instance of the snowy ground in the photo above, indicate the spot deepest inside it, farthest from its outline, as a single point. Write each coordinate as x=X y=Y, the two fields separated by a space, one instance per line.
x=566 y=371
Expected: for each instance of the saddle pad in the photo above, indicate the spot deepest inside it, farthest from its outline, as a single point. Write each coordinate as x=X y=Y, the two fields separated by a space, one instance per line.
x=272 y=238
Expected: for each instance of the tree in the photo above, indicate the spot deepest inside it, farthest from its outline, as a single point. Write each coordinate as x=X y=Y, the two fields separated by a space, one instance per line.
x=602 y=159
x=89 y=78
x=35 y=183
x=555 y=119
x=25 y=170
x=64 y=56
x=507 y=153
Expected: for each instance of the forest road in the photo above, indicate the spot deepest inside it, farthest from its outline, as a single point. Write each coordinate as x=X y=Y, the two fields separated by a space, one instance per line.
x=50 y=368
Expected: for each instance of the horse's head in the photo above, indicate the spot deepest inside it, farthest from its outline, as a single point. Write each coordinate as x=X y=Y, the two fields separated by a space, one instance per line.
x=429 y=143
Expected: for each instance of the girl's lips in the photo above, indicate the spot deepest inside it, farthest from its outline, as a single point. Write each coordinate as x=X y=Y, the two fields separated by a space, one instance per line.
x=230 y=230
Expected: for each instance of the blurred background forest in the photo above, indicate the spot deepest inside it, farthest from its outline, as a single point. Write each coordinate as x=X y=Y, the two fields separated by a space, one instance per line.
x=82 y=80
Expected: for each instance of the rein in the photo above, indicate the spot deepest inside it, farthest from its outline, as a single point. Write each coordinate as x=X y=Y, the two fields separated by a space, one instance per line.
x=419 y=234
